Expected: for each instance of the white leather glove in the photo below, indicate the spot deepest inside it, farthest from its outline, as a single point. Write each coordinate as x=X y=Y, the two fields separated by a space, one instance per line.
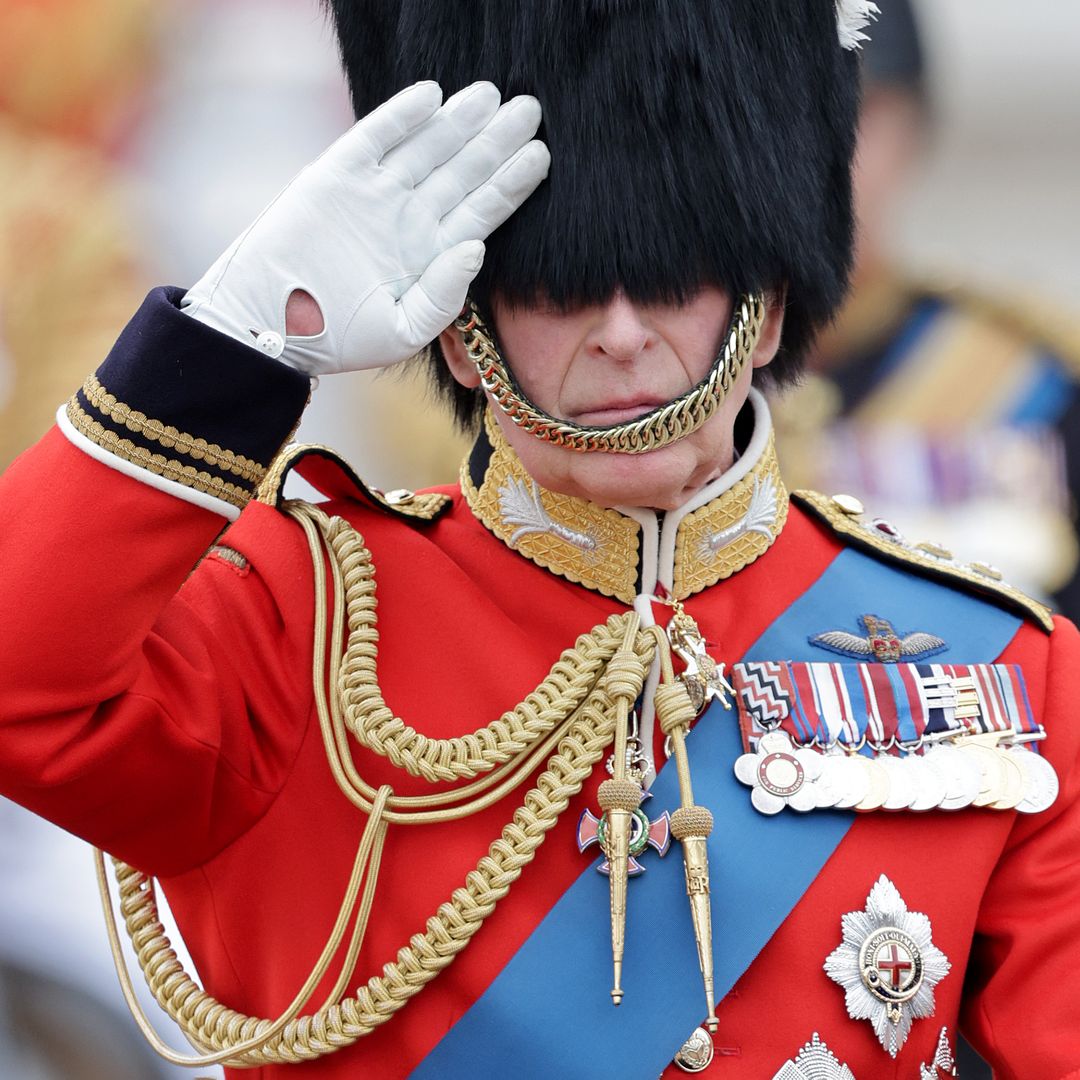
x=385 y=230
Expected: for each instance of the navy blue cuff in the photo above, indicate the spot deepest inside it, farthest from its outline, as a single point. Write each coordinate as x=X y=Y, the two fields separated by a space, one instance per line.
x=188 y=403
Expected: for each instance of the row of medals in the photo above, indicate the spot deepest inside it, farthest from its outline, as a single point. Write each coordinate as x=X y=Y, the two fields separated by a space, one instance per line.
x=964 y=769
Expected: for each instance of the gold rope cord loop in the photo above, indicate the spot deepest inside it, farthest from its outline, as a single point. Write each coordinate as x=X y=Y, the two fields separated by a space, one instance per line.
x=655 y=429
x=624 y=676
x=187 y=1003
x=378 y=729
x=576 y=691
x=674 y=708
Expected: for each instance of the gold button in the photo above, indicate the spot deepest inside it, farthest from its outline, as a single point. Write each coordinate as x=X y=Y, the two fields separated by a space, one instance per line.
x=399 y=496
x=849 y=505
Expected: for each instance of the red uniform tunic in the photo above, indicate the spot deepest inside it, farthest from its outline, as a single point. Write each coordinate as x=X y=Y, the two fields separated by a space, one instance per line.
x=167 y=716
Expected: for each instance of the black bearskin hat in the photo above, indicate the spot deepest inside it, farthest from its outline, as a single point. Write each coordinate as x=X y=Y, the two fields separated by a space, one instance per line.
x=692 y=142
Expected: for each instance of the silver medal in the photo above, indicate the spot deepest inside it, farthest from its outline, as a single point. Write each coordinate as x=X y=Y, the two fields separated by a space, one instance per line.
x=878 y=786
x=780 y=774
x=902 y=790
x=844 y=774
x=1042 y=781
x=962 y=776
x=928 y=780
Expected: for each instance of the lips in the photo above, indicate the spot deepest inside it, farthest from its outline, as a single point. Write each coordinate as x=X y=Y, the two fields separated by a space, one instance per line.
x=617 y=412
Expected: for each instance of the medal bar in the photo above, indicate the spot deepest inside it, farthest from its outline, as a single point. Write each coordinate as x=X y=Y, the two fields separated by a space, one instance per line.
x=896 y=737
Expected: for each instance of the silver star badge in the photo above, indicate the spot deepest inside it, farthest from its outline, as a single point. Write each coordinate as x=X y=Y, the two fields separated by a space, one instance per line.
x=887 y=965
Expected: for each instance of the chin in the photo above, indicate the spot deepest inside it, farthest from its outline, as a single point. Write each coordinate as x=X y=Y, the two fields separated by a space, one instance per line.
x=660 y=479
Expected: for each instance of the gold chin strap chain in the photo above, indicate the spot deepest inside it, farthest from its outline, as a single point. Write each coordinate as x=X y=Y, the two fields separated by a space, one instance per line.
x=655 y=429
x=570 y=719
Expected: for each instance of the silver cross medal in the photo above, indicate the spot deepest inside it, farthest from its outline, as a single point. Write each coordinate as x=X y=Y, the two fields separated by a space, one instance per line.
x=703 y=677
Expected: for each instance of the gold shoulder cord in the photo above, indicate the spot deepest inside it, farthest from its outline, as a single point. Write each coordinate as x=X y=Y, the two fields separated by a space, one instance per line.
x=569 y=719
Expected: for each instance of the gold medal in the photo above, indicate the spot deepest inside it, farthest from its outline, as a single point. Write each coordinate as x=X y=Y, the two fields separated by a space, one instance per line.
x=1015 y=782
x=982 y=749
x=879 y=786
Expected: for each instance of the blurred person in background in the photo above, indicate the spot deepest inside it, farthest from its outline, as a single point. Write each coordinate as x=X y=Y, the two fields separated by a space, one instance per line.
x=70 y=71
x=72 y=77
x=950 y=409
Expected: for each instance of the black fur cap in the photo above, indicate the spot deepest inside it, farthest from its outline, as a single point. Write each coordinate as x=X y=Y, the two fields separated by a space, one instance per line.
x=692 y=142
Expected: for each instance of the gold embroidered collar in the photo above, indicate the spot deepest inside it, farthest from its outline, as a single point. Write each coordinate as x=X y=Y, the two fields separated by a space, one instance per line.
x=630 y=550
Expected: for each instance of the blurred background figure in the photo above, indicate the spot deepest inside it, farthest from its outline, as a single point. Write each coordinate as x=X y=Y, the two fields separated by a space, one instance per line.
x=950 y=407
x=73 y=75
x=71 y=80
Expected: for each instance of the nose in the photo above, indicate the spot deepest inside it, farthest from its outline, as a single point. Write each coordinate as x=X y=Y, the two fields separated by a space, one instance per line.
x=620 y=332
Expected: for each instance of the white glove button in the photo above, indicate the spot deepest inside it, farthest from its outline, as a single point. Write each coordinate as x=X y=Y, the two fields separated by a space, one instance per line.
x=270 y=343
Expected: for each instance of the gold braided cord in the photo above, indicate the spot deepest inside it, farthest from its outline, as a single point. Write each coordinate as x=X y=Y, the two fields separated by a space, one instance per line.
x=465 y=757
x=588 y=660
x=188 y=1004
x=575 y=744
x=655 y=429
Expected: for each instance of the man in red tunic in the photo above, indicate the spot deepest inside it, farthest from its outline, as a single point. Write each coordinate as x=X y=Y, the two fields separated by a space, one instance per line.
x=363 y=745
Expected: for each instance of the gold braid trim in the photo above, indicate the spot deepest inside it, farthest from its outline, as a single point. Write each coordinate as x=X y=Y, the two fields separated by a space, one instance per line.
x=578 y=733
x=170 y=468
x=419 y=506
x=170 y=437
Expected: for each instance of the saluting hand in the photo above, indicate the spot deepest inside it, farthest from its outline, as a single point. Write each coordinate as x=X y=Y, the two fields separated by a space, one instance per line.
x=384 y=231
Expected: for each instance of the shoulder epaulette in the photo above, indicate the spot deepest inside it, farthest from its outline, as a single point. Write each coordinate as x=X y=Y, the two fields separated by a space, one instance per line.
x=334 y=477
x=844 y=515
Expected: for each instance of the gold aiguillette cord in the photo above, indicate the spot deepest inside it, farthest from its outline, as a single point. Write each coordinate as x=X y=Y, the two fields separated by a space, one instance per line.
x=691 y=824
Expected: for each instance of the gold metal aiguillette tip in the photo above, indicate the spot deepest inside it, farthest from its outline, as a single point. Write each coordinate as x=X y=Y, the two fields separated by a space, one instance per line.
x=619 y=797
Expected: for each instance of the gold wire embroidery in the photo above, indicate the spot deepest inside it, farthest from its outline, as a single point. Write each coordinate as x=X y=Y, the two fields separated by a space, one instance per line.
x=609 y=565
x=158 y=464
x=168 y=436
x=736 y=528
x=600 y=548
